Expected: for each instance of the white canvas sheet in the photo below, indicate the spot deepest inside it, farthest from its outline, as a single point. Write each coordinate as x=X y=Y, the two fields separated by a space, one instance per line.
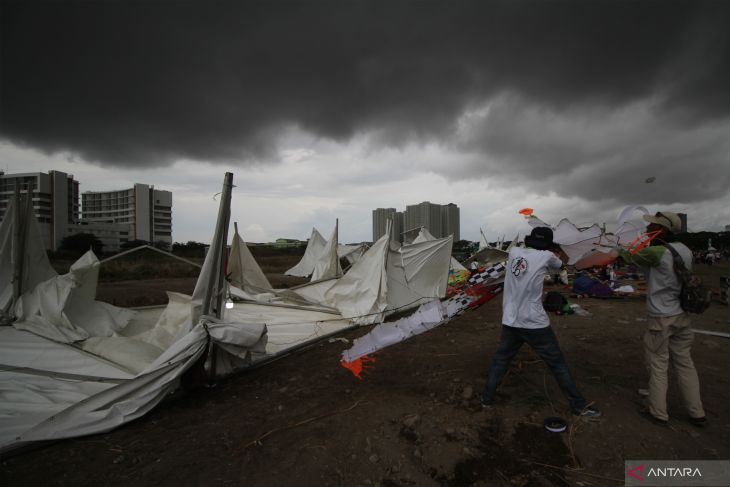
x=351 y=252
x=361 y=293
x=314 y=291
x=63 y=308
x=58 y=408
x=424 y=236
x=417 y=273
x=327 y=264
x=244 y=271
x=36 y=266
x=286 y=327
x=305 y=267
x=578 y=243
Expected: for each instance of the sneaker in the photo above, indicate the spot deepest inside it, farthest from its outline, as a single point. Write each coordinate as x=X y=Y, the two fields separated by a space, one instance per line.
x=700 y=422
x=487 y=405
x=647 y=415
x=588 y=412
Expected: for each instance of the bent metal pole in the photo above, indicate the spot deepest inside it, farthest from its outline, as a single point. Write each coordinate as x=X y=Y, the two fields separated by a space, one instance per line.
x=213 y=290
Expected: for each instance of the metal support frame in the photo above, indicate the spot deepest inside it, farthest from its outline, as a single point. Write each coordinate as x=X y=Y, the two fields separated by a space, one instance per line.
x=214 y=290
x=126 y=252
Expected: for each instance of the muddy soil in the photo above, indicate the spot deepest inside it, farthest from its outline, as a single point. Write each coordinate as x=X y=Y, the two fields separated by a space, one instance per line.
x=415 y=419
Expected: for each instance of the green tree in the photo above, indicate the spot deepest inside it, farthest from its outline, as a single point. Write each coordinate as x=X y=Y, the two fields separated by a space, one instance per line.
x=189 y=249
x=162 y=245
x=79 y=243
x=133 y=244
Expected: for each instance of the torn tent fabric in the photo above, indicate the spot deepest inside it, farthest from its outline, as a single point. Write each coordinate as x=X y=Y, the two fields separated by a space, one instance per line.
x=305 y=267
x=327 y=264
x=457 y=270
x=483 y=244
x=63 y=308
x=351 y=252
x=243 y=270
x=417 y=273
x=578 y=243
x=390 y=277
x=34 y=260
x=429 y=315
x=361 y=294
x=486 y=257
x=91 y=397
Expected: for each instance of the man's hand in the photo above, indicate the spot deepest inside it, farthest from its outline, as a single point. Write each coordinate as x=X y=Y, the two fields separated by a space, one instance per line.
x=560 y=253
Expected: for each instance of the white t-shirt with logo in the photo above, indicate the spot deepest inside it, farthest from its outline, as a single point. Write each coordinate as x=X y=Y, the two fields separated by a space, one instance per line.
x=523 y=283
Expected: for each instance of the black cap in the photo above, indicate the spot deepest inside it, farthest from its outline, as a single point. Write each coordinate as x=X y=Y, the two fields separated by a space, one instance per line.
x=541 y=238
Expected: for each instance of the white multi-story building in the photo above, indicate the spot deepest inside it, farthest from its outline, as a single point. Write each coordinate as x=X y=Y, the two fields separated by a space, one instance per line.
x=55 y=201
x=440 y=220
x=145 y=212
x=111 y=235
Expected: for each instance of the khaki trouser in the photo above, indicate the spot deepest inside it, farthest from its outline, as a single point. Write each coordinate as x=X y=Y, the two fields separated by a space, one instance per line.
x=672 y=337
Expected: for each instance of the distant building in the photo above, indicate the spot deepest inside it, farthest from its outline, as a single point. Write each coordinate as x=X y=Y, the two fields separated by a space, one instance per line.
x=55 y=201
x=451 y=221
x=440 y=220
x=141 y=213
x=111 y=235
x=426 y=215
x=380 y=220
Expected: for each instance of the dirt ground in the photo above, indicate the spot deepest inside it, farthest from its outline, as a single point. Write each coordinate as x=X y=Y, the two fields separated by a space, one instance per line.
x=415 y=419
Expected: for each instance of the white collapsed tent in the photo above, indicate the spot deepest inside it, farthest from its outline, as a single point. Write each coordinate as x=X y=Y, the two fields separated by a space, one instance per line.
x=392 y=277
x=580 y=242
x=305 y=267
x=430 y=313
x=71 y=365
x=424 y=236
x=327 y=264
x=321 y=257
x=23 y=260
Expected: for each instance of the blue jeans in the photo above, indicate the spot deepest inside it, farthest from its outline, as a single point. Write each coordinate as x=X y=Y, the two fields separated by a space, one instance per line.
x=544 y=342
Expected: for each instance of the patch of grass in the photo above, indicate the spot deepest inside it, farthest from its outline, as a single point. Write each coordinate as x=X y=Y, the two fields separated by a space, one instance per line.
x=128 y=270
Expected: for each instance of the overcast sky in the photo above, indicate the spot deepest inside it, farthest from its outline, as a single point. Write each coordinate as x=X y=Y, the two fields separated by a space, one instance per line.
x=326 y=110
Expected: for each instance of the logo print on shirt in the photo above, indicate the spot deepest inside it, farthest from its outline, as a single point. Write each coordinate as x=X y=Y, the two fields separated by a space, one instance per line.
x=519 y=266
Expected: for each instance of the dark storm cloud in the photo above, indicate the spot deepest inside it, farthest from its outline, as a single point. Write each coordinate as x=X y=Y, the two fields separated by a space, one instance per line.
x=596 y=154
x=144 y=83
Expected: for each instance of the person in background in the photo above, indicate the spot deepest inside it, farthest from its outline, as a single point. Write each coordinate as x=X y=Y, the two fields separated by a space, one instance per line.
x=524 y=320
x=669 y=334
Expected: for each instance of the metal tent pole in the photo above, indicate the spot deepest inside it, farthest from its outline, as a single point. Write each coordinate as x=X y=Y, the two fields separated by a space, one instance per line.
x=217 y=245
x=337 y=239
x=221 y=283
x=214 y=289
x=16 y=248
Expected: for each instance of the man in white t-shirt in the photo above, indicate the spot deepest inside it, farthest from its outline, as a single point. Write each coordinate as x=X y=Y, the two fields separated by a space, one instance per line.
x=524 y=320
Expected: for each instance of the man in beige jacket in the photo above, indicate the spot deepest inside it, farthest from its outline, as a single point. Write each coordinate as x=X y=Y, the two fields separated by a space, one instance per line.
x=669 y=334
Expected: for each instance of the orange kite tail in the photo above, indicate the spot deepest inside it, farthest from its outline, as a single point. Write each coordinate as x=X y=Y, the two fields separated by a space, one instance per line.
x=359 y=366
